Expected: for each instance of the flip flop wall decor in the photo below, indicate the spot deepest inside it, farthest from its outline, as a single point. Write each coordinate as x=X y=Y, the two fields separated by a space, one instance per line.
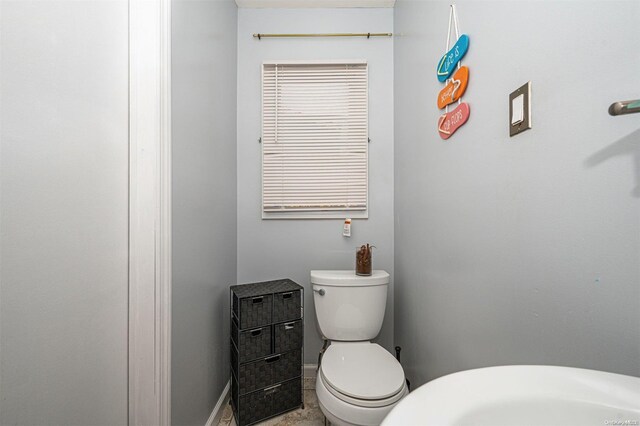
x=449 y=122
x=455 y=88
x=450 y=59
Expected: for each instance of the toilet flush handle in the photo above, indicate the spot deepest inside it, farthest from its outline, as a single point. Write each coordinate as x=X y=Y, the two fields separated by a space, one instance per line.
x=321 y=292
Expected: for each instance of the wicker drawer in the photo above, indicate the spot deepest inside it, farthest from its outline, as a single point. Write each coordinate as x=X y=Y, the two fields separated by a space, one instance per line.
x=287 y=336
x=252 y=312
x=268 y=402
x=251 y=344
x=267 y=371
x=286 y=306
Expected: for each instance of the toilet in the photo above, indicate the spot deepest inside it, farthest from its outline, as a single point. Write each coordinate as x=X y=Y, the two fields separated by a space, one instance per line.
x=358 y=381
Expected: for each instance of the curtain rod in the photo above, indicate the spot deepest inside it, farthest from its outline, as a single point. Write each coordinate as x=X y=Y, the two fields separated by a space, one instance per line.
x=367 y=35
x=625 y=107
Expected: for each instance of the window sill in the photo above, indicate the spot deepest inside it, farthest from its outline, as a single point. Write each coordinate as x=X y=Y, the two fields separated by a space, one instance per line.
x=316 y=215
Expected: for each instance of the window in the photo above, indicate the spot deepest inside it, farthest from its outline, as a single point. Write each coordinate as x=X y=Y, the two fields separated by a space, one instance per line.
x=314 y=140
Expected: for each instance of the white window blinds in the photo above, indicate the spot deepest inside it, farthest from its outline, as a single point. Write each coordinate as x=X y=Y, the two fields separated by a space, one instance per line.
x=314 y=137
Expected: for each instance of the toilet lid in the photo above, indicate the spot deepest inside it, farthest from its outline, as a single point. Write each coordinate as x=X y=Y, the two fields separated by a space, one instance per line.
x=362 y=370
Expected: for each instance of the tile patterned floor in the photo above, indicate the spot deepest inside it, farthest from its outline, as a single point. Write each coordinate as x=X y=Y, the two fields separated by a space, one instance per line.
x=311 y=415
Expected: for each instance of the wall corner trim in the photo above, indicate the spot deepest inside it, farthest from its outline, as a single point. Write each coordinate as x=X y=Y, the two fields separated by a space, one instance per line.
x=216 y=414
x=149 y=388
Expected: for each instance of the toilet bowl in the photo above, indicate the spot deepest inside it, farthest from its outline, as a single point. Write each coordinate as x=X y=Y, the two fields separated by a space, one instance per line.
x=358 y=382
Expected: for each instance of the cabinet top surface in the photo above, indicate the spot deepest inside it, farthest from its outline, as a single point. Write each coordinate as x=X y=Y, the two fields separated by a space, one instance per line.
x=266 y=287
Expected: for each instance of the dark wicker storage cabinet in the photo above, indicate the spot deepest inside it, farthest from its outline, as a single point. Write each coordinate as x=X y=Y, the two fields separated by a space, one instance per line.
x=266 y=349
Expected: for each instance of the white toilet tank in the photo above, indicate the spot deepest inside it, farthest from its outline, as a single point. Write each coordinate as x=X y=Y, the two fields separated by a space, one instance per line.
x=349 y=307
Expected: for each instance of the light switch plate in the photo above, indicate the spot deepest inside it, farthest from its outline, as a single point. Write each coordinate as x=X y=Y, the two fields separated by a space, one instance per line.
x=517 y=110
x=525 y=124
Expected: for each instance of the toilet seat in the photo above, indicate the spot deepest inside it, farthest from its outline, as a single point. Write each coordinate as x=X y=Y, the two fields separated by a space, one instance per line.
x=362 y=374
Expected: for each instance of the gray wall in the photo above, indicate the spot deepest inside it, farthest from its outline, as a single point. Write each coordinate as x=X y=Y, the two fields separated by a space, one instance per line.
x=269 y=249
x=519 y=250
x=63 y=212
x=204 y=202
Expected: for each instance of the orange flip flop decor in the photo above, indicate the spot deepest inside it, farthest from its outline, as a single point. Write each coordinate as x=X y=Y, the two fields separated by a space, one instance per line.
x=449 y=122
x=455 y=88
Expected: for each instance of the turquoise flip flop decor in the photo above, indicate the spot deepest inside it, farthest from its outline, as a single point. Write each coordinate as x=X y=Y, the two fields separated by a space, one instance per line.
x=450 y=59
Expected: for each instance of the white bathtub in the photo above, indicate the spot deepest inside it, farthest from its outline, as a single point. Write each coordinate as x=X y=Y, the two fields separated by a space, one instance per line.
x=523 y=396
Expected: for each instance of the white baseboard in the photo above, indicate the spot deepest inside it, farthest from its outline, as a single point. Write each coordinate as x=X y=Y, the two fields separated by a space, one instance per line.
x=310 y=370
x=216 y=414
